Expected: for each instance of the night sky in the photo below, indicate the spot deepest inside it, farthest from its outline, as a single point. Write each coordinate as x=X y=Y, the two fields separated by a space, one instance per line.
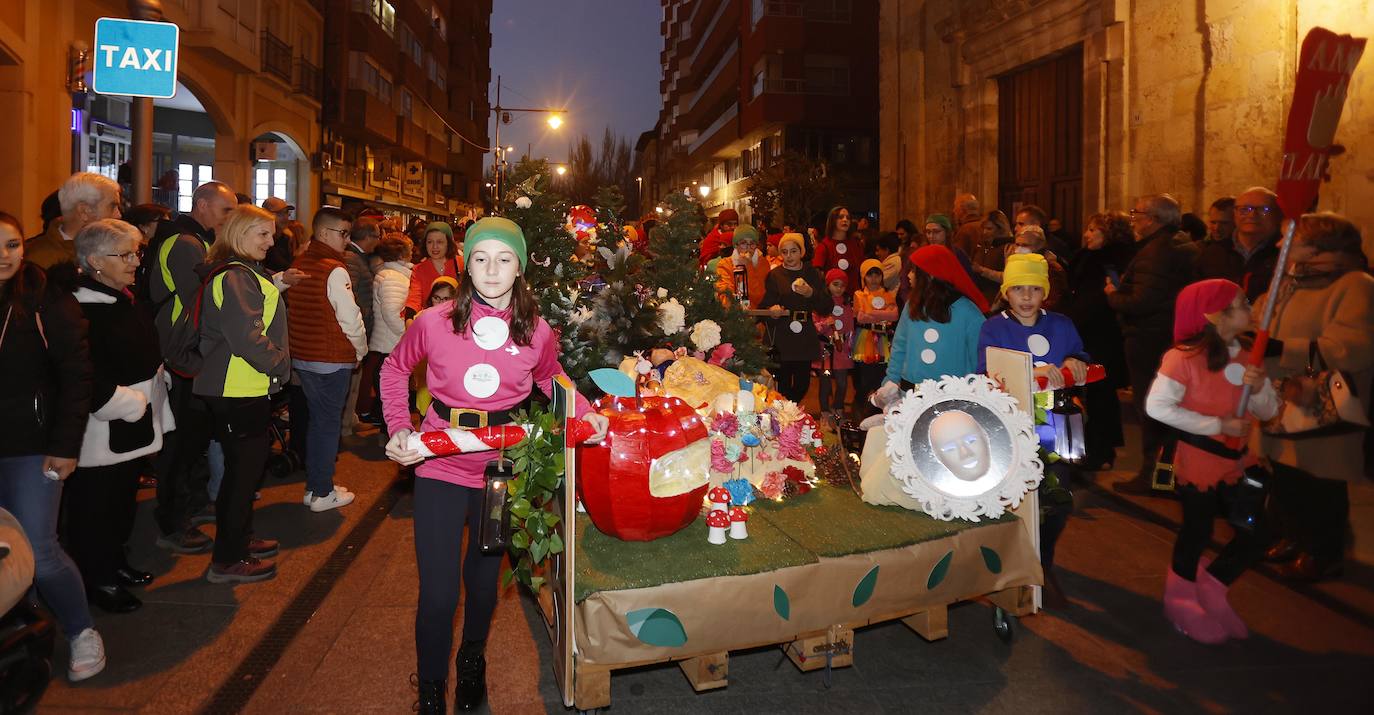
x=598 y=58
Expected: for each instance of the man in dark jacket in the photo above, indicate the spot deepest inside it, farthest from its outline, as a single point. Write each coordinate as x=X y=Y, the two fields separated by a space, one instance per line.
x=279 y=256
x=1247 y=257
x=177 y=248
x=1162 y=266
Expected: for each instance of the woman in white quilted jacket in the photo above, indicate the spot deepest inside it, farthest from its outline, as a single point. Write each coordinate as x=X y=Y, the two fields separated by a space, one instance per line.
x=390 y=287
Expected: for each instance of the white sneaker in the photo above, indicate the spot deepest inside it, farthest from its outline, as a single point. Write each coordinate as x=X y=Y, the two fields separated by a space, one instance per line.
x=333 y=500
x=310 y=496
x=88 y=656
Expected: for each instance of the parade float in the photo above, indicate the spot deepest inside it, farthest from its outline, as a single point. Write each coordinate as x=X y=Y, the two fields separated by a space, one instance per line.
x=719 y=516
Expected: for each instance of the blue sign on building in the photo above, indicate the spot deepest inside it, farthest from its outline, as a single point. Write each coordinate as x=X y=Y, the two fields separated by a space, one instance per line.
x=135 y=58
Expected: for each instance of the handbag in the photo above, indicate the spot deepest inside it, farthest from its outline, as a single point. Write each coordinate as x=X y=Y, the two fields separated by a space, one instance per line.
x=1334 y=409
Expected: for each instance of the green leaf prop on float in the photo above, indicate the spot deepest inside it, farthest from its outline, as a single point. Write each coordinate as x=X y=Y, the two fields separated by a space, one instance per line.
x=538 y=469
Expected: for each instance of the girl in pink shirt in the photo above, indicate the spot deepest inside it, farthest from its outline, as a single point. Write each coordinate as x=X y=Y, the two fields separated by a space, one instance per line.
x=1196 y=392
x=486 y=350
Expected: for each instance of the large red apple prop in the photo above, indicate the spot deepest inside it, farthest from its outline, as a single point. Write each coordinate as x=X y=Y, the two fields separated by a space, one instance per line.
x=613 y=477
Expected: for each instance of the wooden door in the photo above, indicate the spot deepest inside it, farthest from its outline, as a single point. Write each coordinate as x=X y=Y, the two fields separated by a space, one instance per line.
x=1040 y=138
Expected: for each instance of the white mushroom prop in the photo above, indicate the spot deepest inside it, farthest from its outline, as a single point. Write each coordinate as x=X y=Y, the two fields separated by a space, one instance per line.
x=739 y=523
x=717 y=522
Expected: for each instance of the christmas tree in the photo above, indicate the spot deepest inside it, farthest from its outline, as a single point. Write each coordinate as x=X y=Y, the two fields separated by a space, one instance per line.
x=551 y=272
x=675 y=246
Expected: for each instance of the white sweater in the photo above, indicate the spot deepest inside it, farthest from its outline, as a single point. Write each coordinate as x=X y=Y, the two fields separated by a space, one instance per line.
x=390 y=287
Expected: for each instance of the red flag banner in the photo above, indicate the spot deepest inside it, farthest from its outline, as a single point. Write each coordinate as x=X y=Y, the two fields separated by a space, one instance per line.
x=1324 y=68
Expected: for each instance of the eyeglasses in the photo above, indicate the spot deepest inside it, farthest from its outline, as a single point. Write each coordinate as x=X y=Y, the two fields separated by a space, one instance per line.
x=340 y=231
x=127 y=256
x=1251 y=210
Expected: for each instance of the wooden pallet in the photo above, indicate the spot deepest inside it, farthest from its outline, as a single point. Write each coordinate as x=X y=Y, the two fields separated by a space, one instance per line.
x=807 y=651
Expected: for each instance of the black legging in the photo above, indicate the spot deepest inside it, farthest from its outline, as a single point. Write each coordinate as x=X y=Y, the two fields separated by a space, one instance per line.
x=794 y=379
x=441 y=510
x=838 y=381
x=1200 y=509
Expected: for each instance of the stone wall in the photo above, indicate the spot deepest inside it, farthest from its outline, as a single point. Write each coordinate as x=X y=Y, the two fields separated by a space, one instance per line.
x=1186 y=97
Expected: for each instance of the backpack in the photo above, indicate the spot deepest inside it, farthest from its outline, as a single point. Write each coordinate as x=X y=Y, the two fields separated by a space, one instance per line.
x=182 y=351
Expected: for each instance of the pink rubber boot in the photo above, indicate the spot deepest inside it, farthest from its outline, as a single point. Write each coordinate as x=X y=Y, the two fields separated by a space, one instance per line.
x=1182 y=609
x=1211 y=595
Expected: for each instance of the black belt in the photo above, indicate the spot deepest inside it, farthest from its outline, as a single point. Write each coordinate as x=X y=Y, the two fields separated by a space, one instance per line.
x=801 y=315
x=876 y=327
x=1207 y=444
x=469 y=418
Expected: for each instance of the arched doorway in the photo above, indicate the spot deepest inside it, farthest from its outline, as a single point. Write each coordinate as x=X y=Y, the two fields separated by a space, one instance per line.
x=280 y=169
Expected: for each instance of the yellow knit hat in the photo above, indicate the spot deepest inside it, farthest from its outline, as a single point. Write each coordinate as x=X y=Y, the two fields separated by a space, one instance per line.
x=790 y=237
x=869 y=265
x=1026 y=269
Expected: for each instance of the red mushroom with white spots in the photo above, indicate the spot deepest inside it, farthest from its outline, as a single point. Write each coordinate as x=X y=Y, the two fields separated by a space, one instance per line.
x=739 y=523
x=719 y=498
x=717 y=522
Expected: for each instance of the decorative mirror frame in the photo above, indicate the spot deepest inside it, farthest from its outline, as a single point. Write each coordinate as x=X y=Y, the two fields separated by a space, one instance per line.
x=1024 y=469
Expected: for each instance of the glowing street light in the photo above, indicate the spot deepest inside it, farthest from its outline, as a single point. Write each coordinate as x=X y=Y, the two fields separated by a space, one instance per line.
x=561 y=170
x=704 y=190
x=555 y=121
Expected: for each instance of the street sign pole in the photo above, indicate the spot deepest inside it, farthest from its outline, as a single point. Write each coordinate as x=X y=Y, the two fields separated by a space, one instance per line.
x=142 y=117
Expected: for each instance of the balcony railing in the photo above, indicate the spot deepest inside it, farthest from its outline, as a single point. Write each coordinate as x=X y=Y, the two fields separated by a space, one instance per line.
x=309 y=80
x=775 y=8
x=276 y=56
x=787 y=85
x=725 y=117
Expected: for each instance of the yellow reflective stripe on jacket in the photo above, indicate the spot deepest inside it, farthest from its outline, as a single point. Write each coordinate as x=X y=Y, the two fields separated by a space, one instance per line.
x=163 y=252
x=242 y=379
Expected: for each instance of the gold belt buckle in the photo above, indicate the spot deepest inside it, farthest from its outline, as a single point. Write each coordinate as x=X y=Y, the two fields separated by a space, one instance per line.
x=455 y=413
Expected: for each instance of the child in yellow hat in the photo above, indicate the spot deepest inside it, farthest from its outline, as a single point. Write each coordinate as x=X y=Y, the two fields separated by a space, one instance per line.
x=1050 y=338
x=875 y=310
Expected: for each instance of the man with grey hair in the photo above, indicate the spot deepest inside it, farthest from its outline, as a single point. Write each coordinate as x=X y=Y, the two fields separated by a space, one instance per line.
x=177 y=248
x=1247 y=257
x=968 y=220
x=84 y=198
x=1144 y=303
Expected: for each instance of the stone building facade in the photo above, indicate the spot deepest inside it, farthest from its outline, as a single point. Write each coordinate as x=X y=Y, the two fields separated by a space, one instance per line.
x=1185 y=97
x=250 y=75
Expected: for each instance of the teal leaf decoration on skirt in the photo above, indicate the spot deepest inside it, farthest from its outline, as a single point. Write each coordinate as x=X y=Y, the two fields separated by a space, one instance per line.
x=781 y=604
x=864 y=590
x=657 y=626
x=941 y=570
x=991 y=559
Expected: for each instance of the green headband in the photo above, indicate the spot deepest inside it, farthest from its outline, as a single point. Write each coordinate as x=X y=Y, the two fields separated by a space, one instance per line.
x=495 y=228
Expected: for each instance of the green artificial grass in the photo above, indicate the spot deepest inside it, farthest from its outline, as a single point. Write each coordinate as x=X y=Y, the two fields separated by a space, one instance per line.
x=829 y=521
x=825 y=522
x=605 y=563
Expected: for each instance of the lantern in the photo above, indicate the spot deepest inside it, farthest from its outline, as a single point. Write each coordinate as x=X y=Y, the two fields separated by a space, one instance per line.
x=648 y=478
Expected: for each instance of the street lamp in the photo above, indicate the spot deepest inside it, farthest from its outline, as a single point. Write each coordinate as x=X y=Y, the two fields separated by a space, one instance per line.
x=555 y=121
x=561 y=170
x=704 y=190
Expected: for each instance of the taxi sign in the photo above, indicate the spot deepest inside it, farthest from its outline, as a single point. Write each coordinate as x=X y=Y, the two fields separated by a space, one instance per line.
x=135 y=58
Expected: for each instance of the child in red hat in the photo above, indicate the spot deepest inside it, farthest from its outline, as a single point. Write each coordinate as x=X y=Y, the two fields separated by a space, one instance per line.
x=1196 y=392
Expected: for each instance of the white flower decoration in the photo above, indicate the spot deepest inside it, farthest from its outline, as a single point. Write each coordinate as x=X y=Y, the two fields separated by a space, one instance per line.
x=705 y=335
x=672 y=317
x=523 y=202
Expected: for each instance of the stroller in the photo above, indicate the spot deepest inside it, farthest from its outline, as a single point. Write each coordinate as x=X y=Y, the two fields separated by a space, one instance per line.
x=27 y=632
x=284 y=459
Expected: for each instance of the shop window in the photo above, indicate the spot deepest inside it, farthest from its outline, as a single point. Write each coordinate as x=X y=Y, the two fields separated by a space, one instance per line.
x=189 y=176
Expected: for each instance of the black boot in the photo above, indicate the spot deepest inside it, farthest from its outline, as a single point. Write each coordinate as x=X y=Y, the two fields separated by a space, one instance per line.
x=431 y=700
x=472 y=676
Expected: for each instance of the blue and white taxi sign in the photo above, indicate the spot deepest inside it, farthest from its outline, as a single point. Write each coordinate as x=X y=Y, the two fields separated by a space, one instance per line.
x=135 y=58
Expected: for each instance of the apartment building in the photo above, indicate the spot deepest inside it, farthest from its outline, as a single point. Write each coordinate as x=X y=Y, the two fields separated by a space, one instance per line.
x=746 y=80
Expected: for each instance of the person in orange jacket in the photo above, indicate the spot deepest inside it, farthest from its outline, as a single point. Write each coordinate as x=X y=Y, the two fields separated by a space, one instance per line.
x=741 y=276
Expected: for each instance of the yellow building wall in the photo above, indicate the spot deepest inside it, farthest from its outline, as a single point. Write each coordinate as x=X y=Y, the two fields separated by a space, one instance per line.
x=1186 y=97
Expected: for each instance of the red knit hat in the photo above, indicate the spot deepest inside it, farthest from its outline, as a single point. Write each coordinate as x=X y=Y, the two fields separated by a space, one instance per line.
x=940 y=262
x=835 y=274
x=1199 y=300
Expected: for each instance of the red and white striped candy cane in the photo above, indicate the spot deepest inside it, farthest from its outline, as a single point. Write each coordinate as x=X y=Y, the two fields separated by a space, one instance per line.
x=448 y=442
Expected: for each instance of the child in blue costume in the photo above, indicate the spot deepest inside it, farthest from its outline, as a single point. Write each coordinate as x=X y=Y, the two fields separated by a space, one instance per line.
x=1053 y=343
x=937 y=334
x=1050 y=338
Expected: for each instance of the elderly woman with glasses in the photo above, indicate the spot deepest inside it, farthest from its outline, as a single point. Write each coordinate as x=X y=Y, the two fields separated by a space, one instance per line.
x=129 y=413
